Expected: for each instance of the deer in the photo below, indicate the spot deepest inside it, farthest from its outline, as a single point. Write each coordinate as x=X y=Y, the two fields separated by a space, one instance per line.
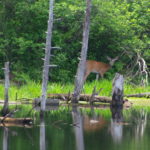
x=98 y=67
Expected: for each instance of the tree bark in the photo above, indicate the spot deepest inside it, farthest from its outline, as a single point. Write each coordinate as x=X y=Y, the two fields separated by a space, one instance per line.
x=6 y=95
x=81 y=66
x=47 y=56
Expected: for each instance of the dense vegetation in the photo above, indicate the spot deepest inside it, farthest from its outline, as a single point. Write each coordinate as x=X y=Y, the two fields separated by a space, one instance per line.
x=116 y=26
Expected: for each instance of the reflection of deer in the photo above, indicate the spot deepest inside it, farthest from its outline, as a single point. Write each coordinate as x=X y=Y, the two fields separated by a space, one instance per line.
x=98 y=67
x=93 y=124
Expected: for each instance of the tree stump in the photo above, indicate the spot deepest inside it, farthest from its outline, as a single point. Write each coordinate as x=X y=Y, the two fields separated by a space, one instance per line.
x=117 y=93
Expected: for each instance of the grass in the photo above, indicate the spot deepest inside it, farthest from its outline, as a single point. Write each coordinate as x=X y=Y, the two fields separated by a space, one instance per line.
x=33 y=89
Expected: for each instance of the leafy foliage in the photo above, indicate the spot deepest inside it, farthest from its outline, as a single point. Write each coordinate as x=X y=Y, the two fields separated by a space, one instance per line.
x=116 y=26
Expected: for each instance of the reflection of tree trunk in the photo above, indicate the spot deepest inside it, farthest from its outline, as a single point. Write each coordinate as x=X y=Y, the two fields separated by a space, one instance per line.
x=78 y=122
x=117 y=115
x=42 y=133
x=5 y=139
x=116 y=124
x=141 y=124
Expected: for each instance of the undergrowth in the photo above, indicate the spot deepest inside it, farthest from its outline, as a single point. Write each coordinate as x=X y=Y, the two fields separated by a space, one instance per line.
x=33 y=89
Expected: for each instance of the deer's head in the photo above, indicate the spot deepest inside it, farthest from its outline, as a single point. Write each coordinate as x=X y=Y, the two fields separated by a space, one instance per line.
x=112 y=60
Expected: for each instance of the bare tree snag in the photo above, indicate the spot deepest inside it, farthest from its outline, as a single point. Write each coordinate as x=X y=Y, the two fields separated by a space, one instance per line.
x=117 y=93
x=137 y=69
x=143 y=71
x=47 y=56
x=81 y=66
x=6 y=95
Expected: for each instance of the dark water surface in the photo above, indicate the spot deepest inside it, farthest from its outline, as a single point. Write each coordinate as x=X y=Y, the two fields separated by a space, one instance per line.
x=81 y=129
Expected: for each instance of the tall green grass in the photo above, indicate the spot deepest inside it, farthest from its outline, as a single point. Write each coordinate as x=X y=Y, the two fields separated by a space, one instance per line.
x=33 y=89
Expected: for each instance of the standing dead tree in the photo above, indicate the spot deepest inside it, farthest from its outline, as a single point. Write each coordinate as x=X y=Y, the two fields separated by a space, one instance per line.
x=143 y=71
x=47 y=56
x=81 y=66
x=137 y=69
x=6 y=96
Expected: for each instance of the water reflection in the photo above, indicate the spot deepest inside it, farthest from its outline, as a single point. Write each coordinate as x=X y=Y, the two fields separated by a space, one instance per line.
x=94 y=122
x=141 y=122
x=5 y=138
x=42 y=133
x=78 y=128
x=127 y=130
x=116 y=125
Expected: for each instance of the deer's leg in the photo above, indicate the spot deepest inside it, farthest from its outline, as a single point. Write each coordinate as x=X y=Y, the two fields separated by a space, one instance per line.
x=101 y=74
x=97 y=76
x=86 y=75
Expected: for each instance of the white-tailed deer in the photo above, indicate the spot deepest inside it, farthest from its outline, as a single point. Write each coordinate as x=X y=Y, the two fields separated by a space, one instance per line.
x=98 y=67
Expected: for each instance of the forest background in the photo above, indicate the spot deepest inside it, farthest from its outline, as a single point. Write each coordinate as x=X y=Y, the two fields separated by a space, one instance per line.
x=118 y=28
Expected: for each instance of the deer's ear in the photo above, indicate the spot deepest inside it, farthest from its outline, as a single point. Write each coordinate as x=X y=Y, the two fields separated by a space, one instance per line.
x=108 y=58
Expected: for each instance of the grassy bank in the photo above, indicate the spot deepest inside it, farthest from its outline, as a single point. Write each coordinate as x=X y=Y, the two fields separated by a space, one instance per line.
x=33 y=89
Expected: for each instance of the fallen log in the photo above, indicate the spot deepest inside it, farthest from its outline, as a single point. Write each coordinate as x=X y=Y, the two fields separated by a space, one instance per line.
x=87 y=98
x=147 y=95
x=16 y=102
x=83 y=97
x=7 y=120
x=15 y=125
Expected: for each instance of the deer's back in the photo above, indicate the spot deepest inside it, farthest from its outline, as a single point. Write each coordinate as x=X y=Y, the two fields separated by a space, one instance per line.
x=95 y=66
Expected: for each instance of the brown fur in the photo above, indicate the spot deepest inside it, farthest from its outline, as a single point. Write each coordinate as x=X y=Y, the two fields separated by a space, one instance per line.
x=95 y=66
x=98 y=67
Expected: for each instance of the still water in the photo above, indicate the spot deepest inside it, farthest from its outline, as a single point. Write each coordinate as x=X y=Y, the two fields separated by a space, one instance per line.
x=81 y=129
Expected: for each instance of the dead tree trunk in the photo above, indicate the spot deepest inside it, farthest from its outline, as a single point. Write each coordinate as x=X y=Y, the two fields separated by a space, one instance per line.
x=137 y=70
x=47 y=56
x=81 y=66
x=117 y=94
x=6 y=96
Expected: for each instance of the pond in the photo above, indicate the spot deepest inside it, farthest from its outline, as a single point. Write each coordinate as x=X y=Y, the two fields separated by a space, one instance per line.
x=81 y=129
